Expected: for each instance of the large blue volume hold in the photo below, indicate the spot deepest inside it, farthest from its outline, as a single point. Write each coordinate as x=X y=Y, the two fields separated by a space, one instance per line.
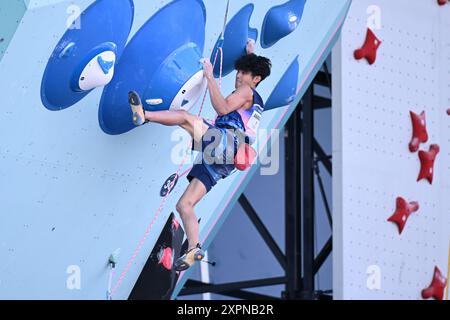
x=162 y=56
x=104 y=26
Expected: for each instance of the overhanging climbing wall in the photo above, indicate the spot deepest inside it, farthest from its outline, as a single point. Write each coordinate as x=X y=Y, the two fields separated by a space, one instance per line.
x=76 y=183
x=375 y=158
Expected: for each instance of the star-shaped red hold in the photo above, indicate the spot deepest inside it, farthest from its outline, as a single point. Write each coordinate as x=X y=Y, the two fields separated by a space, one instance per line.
x=369 y=49
x=402 y=212
x=427 y=163
x=420 y=134
x=437 y=286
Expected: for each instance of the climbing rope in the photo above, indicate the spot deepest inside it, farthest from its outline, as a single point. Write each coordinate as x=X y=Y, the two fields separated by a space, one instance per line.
x=112 y=291
x=448 y=273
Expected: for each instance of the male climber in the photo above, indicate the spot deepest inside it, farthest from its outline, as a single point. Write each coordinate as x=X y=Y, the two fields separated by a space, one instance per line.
x=237 y=121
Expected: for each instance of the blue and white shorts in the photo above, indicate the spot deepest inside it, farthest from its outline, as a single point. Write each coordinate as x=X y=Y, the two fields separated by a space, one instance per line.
x=215 y=161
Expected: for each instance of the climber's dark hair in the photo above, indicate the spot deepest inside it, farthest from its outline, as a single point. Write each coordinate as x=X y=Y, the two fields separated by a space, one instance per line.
x=257 y=65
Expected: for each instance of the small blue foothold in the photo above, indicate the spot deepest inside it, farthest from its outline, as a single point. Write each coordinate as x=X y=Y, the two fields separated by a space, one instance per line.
x=105 y=65
x=185 y=102
x=68 y=50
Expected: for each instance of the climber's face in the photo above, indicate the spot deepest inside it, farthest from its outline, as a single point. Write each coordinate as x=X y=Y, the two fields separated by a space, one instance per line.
x=246 y=77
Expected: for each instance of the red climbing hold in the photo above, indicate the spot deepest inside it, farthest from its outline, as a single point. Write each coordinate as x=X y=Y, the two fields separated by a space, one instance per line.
x=175 y=224
x=442 y=2
x=369 y=49
x=402 y=212
x=437 y=286
x=420 y=134
x=165 y=258
x=427 y=163
x=244 y=157
x=448 y=111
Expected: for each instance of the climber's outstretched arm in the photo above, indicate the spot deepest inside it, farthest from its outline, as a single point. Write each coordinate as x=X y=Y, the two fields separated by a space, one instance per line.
x=234 y=101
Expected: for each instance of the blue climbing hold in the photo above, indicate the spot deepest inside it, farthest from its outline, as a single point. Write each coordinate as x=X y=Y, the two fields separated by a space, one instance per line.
x=185 y=102
x=89 y=73
x=73 y=70
x=280 y=21
x=286 y=89
x=161 y=63
x=237 y=33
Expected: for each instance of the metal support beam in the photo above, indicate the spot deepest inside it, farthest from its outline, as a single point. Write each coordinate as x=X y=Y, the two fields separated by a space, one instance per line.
x=323 y=255
x=299 y=260
x=321 y=103
x=308 y=195
x=324 y=158
x=327 y=76
x=197 y=287
x=293 y=241
x=322 y=79
x=263 y=231
x=322 y=192
x=247 y=295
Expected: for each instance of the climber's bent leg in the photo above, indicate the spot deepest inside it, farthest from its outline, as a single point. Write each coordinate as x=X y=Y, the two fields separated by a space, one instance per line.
x=193 y=124
x=185 y=207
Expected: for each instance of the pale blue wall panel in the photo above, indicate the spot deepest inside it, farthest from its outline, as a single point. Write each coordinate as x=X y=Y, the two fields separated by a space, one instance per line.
x=71 y=194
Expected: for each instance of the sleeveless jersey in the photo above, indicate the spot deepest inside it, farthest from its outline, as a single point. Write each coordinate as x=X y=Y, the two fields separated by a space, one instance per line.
x=244 y=120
